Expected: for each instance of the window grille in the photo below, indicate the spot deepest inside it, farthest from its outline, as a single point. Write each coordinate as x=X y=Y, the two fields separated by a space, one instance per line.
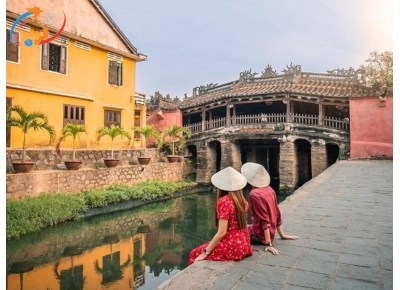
x=21 y=26
x=83 y=45
x=74 y=114
x=115 y=56
x=54 y=58
x=12 y=50
x=112 y=118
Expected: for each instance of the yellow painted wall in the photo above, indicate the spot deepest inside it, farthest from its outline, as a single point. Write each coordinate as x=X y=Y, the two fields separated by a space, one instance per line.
x=87 y=76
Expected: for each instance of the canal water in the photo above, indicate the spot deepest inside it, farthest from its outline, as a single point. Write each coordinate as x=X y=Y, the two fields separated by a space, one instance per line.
x=134 y=249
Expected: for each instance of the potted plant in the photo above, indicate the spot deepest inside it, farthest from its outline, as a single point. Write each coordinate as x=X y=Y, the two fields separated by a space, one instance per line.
x=25 y=121
x=175 y=134
x=147 y=131
x=72 y=130
x=112 y=132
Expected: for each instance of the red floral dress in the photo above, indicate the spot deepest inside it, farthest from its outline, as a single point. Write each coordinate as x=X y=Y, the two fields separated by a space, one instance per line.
x=235 y=245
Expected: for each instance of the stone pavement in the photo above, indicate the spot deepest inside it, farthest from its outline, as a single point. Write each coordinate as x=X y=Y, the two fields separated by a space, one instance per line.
x=344 y=218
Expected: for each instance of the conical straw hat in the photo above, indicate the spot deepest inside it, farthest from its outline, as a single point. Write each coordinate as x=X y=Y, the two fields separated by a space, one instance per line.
x=256 y=174
x=229 y=179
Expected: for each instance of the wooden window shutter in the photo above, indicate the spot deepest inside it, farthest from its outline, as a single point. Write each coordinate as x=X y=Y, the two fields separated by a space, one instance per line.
x=63 y=60
x=120 y=74
x=8 y=131
x=45 y=56
x=112 y=118
x=74 y=114
x=11 y=49
x=112 y=72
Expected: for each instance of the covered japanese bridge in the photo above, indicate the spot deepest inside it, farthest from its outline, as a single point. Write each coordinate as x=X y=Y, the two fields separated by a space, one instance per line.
x=295 y=123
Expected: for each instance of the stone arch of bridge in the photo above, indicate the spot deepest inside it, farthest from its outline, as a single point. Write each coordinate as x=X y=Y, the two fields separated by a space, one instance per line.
x=191 y=157
x=214 y=148
x=332 y=153
x=264 y=151
x=303 y=161
x=293 y=156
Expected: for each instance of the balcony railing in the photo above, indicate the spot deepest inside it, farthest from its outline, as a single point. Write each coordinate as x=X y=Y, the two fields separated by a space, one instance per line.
x=244 y=120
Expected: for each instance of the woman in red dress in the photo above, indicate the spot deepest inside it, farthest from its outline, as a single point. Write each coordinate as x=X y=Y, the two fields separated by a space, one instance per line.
x=232 y=240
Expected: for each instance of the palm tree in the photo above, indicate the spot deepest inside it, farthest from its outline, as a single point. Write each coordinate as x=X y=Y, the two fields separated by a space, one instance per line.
x=25 y=121
x=112 y=132
x=177 y=134
x=73 y=131
x=148 y=131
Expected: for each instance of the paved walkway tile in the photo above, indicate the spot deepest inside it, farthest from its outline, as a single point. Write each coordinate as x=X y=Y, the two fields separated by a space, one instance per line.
x=344 y=218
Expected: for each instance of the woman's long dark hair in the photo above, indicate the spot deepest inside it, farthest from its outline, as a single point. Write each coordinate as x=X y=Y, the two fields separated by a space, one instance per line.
x=239 y=201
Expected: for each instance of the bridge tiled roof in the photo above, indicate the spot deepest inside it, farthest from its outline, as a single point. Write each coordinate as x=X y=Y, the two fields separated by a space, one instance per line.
x=158 y=101
x=332 y=84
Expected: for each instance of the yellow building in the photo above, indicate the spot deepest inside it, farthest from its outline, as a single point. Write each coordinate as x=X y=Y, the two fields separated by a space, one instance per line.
x=84 y=75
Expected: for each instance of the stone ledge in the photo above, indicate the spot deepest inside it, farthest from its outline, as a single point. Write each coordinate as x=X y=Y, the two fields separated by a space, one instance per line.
x=71 y=181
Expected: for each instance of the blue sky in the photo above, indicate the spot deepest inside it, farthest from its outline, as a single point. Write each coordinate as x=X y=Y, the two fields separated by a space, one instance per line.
x=193 y=43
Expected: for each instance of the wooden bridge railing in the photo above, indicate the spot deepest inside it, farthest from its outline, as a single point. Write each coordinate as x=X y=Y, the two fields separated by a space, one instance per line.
x=337 y=123
x=270 y=119
x=305 y=119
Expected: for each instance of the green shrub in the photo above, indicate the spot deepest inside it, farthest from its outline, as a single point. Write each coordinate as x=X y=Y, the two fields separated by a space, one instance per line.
x=34 y=213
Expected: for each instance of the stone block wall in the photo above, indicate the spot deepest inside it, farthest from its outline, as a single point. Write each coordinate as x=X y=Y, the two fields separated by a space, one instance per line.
x=319 y=161
x=70 y=181
x=288 y=165
x=47 y=159
x=230 y=155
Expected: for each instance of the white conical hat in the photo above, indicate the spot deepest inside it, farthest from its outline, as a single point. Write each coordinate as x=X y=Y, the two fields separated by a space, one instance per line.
x=229 y=179
x=256 y=174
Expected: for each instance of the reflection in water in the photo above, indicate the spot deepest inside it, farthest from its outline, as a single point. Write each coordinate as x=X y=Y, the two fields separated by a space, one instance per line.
x=20 y=268
x=112 y=270
x=71 y=278
x=133 y=249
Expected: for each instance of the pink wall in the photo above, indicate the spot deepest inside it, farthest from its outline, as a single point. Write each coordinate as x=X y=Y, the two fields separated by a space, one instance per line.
x=163 y=119
x=371 y=127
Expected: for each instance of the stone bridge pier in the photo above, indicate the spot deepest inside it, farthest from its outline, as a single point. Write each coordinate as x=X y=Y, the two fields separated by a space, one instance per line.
x=291 y=159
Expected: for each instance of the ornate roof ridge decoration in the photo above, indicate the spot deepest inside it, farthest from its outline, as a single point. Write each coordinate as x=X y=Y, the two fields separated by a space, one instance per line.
x=356 y=75
x=202 y=90
x=292 y=69
x=269 y=72
x=158 y=101
x=337 y=83
x=246 y=77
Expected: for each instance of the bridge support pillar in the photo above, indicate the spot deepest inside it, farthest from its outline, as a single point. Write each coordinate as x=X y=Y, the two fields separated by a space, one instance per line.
x=230 y=155
x=206 y=158
x=319 y=159
x=288 y=165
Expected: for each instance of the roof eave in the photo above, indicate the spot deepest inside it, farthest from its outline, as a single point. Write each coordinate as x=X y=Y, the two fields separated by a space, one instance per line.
x=115 y=27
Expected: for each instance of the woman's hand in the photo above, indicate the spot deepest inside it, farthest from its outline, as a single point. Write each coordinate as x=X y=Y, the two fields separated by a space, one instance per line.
x=287 y=237
x=202 y=256
x=272 y=250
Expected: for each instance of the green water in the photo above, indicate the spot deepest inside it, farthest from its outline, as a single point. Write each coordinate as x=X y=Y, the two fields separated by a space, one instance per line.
x=133 y=249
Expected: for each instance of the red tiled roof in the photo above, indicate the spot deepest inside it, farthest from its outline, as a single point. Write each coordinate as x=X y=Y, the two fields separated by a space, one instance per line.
x=299 y=83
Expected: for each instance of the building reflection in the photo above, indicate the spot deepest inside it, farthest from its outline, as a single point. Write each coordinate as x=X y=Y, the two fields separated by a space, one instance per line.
x=19 y=269
x=71 y=278
x=100 y=267
x=118 y=251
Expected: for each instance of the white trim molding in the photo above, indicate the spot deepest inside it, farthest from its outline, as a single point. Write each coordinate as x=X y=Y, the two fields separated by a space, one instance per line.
x=114 y=107
x=45 y=91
